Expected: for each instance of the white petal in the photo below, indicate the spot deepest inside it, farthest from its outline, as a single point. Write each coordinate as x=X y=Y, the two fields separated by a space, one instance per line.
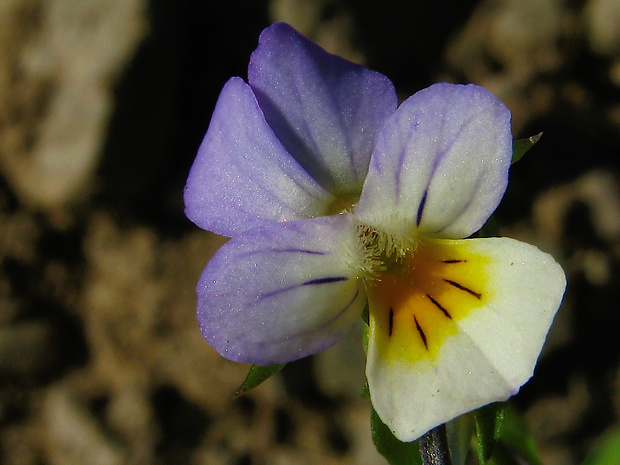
x=501 y=296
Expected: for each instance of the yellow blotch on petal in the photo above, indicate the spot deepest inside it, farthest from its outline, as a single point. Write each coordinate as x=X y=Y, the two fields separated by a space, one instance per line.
x=418 y=300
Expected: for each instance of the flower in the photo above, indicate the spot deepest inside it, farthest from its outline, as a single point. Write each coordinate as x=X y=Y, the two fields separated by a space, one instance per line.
x=336 y=198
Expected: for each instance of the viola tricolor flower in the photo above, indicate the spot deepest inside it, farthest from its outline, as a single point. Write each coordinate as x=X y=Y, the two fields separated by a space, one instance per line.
x=336 y=198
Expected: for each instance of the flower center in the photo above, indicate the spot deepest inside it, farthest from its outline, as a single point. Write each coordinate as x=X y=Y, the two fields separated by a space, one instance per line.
x=383 y=250
x=341 y=204
x=418 y=298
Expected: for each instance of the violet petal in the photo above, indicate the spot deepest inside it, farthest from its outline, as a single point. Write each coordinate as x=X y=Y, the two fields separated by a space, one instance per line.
x=281 y=292
x=441 y=162
x=324 y=109
x=242 y=176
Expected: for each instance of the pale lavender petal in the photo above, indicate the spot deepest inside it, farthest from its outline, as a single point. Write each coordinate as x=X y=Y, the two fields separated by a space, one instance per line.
x=441 y=162
x=242 y=176
x=281 y=292
x=324 y=109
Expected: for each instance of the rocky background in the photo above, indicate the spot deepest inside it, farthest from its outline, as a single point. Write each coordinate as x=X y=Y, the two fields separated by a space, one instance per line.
x=103 y=104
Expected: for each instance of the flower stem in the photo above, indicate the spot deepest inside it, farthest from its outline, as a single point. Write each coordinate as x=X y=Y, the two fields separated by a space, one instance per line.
x=434 y=447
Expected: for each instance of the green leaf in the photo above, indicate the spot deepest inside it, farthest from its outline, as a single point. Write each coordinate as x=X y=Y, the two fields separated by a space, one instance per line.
x=395 y=452
x=519 y=147
x=608 y=451
x=489 y=421
x=256 y=376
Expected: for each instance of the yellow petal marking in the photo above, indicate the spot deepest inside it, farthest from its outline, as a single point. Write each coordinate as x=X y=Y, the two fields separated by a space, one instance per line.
x=417 y=302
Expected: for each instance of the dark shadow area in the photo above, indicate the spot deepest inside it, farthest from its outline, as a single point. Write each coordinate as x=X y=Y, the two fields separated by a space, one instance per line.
x=164 y=102
x=183 y=424
x=406 y=39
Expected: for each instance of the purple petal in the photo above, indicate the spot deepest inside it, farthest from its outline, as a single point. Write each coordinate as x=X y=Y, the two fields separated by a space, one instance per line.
x=281 y=292
x=324 y=109
x=242 y=176
x=441 y=162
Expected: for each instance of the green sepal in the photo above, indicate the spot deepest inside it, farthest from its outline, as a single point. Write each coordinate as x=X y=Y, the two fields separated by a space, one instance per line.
x=516 y=444
x=395 y=452
x=365 y=336
x=490 y=229
x=256 y=376
x=460 y=432
x=520 y=146
x=365 y=391
x=608 y=450
x=489 y=421
x=365 y=329
x=366 y=314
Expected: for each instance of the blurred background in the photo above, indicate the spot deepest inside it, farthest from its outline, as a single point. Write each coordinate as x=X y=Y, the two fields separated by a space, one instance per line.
x=103 y=104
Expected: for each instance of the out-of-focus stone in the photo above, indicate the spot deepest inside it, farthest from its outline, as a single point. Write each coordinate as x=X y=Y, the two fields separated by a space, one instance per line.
x=130 y=414
x=19 y=445
x=72 y=435
x=602 y=26
x=308 y=17
x=518 y=37
x=304 y=15
x=506 y=45
x=614 y=72
x=599 y=190
x=553 y=416
x=57 y=86
x=27 y=349
x=523 y=35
